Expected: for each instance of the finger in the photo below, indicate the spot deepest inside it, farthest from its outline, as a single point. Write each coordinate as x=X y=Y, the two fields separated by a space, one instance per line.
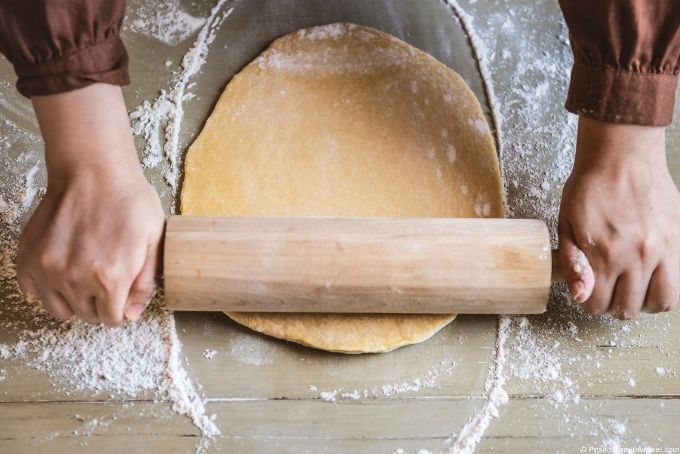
x=575 y=267
x=662 y=294
x=82 y=305
x=111 y=303
x=27 y=286
x=601 y=298
x=55 y=304
x=144 y=286
x=629 y=296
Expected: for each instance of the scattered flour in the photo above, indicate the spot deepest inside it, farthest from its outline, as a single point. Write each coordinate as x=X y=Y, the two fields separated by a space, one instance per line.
x=209 y=354
x=164 y=115
x=145 y=357
x=538 y=351
x=429 y=380
x=473 y=430
x=253 y=349
x=142 y=358
x=164 y=20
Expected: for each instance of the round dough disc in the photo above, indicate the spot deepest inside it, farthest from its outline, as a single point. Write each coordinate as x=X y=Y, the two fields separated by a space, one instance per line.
x=344 y=120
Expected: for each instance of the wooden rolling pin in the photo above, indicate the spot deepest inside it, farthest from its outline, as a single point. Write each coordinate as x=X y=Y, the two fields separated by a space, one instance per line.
x=357 y=265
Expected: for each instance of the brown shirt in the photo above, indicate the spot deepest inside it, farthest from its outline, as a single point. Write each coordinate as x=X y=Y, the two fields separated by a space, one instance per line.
x=60 y=45
x=626 y=52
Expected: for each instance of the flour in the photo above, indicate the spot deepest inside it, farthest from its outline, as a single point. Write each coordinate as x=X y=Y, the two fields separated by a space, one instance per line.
x=142 y=358
x=30 y=190
x=254 y=349
x=538 y=351
x=159 y=121
x=163 y=20
x=139 y=357
x=481 y=54
x=473 y=430
x=430 y=379
x=145 y=357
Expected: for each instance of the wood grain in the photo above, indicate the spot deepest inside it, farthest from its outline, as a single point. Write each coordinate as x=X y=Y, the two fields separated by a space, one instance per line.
x=357 y=265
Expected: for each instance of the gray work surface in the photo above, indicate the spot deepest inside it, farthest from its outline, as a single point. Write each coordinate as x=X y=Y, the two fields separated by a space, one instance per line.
x=602 y=386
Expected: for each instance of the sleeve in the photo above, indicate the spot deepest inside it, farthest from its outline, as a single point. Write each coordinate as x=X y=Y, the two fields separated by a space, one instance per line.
x=62 y=45
x=626 y=59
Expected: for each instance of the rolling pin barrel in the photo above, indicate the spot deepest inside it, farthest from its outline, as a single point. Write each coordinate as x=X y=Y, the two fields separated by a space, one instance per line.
x=357 y=265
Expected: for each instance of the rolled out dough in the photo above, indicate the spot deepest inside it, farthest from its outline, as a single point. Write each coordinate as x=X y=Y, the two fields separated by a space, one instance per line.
x=344 y=120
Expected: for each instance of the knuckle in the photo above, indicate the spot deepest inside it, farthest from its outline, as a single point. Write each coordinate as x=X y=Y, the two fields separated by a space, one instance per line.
x=609 y=250
x=50 y=261
x=145 y=288
x=72 y=276
x=670 y=238
x=647 y=247
x=108 y=277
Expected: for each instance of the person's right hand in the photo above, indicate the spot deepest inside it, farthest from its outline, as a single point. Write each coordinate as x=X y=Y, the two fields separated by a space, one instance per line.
x=92 y=248
x=620 y=222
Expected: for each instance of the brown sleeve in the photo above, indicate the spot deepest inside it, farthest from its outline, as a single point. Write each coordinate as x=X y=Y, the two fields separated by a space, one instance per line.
x=626 y=59
x=61 y=45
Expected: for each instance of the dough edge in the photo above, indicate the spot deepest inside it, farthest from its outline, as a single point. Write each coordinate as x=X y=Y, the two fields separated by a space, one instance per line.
x=424 y=326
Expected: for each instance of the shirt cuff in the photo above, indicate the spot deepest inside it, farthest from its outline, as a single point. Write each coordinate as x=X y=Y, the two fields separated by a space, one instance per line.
x=619 y=96
x=105 y=62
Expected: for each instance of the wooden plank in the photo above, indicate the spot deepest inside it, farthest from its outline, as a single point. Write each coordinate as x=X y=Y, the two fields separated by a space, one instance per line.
x=525 y=425
x=26 y=426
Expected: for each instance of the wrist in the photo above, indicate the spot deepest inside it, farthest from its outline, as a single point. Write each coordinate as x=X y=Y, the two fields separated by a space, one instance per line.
x=611 y=145
x=86 y=131
x=65 y=163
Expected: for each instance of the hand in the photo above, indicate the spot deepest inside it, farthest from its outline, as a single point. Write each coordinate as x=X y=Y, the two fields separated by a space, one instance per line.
x=621 y=209
x=92 y=246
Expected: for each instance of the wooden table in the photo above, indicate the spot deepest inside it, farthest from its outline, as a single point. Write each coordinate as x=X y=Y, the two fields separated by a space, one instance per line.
x=270 y=395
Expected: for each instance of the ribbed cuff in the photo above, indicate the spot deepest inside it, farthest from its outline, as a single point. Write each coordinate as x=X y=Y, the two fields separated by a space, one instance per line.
x=616 y=96
x=105 y=62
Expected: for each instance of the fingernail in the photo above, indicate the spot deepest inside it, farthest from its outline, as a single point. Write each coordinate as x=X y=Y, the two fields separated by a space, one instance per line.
x=578 y=292
x=133 y=311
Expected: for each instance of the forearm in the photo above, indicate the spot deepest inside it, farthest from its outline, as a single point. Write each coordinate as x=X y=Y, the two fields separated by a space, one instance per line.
x=86 y=130
x=602 y=144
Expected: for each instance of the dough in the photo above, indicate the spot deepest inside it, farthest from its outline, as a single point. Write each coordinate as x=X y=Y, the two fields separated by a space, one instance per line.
x=344 y=120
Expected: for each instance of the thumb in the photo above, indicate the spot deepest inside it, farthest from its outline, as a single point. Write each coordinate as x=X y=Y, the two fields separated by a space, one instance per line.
x=576 y=268
x=144 y=286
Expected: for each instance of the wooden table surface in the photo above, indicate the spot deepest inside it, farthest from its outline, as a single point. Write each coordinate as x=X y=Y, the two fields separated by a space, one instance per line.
x=268 y=395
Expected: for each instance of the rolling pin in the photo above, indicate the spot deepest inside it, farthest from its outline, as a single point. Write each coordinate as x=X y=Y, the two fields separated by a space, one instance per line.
x=357 y=265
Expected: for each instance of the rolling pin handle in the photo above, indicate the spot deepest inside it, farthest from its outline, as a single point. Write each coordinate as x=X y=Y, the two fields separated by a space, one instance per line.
x=556 y=275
